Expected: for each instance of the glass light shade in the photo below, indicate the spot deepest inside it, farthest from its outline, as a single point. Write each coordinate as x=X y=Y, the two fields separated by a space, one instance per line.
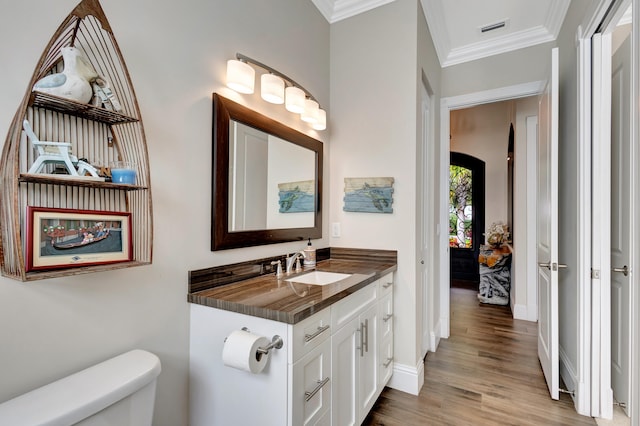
x=272 y=88
x=240 y=76
x=321 y=124
x=294 y=99
x=310 y=113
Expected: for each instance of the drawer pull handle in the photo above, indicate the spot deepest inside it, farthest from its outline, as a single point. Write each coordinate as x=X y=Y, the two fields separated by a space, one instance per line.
x=388 y=362
x=366 y=335
x=321 y=383
x=310 y=337
x=387 y=285
x=387 y=317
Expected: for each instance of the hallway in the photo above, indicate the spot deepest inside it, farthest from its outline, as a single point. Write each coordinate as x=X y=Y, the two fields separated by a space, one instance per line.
x=486 y=373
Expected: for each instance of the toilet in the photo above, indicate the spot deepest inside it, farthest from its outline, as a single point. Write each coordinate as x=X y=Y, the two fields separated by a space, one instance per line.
x=119 y=391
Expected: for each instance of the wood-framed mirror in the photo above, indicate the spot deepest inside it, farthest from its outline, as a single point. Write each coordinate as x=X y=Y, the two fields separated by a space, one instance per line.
x=266 y=180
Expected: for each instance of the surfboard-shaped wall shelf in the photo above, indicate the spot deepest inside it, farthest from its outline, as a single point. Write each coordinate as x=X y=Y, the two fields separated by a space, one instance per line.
x=100 y=126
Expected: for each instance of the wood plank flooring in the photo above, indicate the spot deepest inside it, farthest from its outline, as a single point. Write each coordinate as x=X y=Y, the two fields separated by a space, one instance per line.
x=486 y=373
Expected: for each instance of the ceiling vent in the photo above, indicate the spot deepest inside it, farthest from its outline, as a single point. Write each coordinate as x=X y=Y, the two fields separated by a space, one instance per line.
x=494 y=26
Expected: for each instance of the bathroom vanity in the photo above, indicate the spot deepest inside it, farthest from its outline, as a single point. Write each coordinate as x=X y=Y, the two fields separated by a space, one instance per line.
x=337 y=352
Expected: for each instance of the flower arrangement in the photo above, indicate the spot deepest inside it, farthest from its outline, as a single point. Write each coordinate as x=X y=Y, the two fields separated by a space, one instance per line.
x=498 y=234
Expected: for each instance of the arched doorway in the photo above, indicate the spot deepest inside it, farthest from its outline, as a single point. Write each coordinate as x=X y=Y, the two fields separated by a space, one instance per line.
x=466 y=216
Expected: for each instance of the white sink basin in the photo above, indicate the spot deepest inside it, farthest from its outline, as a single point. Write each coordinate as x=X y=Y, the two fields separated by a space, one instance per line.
x=319 y=278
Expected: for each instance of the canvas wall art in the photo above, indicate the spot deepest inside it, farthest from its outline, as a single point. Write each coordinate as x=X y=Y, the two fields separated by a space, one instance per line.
x=368 y=195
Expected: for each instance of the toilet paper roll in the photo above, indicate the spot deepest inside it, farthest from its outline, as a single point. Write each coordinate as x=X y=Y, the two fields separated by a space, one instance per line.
x=241 y=351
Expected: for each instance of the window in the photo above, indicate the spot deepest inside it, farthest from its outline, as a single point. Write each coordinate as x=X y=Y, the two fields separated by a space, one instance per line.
x=460 y=207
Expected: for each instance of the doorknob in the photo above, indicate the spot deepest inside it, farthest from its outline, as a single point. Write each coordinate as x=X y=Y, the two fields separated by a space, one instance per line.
x=624 y=270
x=552 y=266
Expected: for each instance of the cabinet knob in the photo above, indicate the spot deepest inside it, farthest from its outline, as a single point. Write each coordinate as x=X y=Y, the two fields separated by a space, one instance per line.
x=387 y=285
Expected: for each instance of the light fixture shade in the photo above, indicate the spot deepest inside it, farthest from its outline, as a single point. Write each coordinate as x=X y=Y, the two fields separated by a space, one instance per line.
x=294 y=99
x=240 y=76
x=310 y=113
x=272 y=88
x=321 y=124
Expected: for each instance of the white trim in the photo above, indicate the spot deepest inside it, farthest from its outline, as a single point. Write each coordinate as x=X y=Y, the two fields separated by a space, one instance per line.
x=635 y=220
x=337 y=10
x=446 y=106
x=497 y=45
x=582 y=397
x=448 y=56
x=532 y=209
x=407 y=378
x=520 y=312
x=602 y=400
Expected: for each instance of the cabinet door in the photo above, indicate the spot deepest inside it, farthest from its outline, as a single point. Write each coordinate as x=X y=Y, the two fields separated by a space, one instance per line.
x=311 y=390
x=368 y=361
x=345 y=354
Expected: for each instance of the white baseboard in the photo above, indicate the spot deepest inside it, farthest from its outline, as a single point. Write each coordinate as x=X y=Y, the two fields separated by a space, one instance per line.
x=443 y=326
x=407 y=379
x=434 y=341
x=524 y=312
x=519 y=312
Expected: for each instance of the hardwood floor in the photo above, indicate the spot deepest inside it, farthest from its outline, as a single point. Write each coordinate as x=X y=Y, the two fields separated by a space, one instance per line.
x=486 y=373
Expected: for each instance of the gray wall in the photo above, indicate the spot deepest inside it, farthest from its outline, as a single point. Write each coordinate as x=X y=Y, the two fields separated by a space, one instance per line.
x=176 y=53
x=568 y=191
x=375 y=79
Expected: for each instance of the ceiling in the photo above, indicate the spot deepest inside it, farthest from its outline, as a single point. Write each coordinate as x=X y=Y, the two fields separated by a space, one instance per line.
x=455 y=25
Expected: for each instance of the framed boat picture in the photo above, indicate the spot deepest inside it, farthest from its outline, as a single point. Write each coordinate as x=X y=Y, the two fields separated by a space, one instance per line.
x=67 y=238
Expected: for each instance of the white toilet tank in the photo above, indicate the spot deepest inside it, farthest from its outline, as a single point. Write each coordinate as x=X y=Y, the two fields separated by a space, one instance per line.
x=120 y=391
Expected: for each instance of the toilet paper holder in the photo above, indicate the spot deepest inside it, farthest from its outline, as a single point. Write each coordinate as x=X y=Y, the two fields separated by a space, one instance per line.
x=276 y=343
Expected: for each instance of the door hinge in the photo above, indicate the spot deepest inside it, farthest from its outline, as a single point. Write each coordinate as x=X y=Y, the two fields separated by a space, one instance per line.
x=595 y=274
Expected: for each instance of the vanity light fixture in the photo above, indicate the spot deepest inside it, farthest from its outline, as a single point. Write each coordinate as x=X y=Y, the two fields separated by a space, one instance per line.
x=272 y=88
x=275 y=88
x=240 y=76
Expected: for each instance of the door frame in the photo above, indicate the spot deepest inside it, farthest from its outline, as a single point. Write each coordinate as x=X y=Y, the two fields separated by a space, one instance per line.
x=447 y=105
x=601 y=391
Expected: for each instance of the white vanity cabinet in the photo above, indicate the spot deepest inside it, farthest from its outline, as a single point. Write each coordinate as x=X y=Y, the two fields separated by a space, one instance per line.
x=356 y=351
x=330 y=371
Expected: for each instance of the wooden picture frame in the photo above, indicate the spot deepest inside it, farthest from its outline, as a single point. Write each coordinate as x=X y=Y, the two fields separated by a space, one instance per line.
x=68 y=238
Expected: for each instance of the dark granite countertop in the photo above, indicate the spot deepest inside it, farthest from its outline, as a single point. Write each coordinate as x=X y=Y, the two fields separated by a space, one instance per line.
x=286 y=301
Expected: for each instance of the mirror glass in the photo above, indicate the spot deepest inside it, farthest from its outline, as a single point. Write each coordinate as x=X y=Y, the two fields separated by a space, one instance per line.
x=267 y=180
x=271 y=181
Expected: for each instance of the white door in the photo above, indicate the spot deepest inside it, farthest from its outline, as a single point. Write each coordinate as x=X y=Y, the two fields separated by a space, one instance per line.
x=425 y=202
x=620 y=220
x=547 y=230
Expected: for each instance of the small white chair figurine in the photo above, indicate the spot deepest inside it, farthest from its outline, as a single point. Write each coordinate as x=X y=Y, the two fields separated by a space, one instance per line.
x=56 y=152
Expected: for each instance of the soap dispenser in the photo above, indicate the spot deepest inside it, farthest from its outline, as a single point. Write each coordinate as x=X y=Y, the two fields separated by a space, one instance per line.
x=310 y=252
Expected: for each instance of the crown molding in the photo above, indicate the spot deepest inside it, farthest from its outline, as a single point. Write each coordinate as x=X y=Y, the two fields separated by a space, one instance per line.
x=498 y=45
x=337 y=10
x=505 y=43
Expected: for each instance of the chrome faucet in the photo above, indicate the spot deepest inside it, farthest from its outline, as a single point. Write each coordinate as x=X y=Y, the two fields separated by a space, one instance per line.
x=292 y=261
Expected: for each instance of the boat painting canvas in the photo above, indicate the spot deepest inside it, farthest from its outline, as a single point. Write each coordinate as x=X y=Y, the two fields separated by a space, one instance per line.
x=63 y=238
x=296 y=197
x=368 y=195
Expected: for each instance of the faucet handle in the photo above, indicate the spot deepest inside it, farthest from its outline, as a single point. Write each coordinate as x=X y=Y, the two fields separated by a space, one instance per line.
x=298 y=268
x=279 y=268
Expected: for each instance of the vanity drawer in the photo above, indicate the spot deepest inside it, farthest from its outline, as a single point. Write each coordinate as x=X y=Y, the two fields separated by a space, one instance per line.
x=349 y=307
x=310 y=332
x=386 y=284
x=311 y=386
